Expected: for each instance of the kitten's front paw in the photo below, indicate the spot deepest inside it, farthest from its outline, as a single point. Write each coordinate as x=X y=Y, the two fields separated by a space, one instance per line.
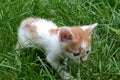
x=65 y=75
x=84 y=58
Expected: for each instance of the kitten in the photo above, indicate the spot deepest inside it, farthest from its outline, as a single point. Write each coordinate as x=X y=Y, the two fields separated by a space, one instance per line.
x=74 y=42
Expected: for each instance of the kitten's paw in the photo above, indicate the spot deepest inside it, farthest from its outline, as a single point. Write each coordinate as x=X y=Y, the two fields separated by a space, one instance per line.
x=84 y=58
x=65 y=75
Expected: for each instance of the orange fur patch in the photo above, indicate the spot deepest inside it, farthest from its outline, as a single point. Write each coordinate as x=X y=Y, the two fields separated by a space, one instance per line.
x=78 y=36
x=31 y=28
x=53 y=31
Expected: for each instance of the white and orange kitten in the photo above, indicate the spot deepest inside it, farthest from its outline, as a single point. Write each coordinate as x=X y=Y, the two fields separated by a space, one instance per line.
x=74 y=42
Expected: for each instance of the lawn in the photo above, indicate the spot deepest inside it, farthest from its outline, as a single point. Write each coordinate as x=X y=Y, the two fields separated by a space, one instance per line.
x=104 y=60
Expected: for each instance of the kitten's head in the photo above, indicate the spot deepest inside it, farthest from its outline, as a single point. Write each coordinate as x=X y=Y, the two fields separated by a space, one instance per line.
x=77 y=41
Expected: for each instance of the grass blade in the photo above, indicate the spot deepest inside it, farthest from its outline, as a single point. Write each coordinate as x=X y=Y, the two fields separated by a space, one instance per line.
x=45 y=68
x=115 y=30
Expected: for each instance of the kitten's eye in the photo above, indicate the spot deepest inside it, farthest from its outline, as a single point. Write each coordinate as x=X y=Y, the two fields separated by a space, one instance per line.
x=87 y=51
x=76 y=54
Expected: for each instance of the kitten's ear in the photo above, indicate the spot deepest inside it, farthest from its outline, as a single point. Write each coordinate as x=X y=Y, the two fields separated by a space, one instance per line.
x=65 y=35
x=91 y=27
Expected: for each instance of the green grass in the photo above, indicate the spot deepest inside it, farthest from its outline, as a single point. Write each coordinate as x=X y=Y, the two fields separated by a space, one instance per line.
x=104 y=60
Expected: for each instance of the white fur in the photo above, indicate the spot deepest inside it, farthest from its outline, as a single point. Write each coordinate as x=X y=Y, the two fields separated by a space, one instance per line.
x=84 y=27
x=84 y=44
x=89 y=26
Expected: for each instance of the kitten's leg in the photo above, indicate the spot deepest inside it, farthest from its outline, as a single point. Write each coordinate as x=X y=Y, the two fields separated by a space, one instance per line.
x=20 y=44
x=56 y=63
